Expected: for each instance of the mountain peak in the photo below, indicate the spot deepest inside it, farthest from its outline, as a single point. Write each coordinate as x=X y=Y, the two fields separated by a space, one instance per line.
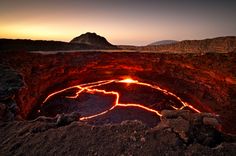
x=164 y=42
x=94 y=40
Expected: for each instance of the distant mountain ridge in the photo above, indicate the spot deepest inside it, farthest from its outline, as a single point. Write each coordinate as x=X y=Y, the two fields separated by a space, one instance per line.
x=92 y=41
x=164 y=42
x=38 y=45
x=219 y=45
x=88 y=41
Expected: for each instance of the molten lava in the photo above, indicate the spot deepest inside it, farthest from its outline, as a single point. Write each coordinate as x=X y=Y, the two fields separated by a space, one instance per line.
x=128 y=80
x=92 y=88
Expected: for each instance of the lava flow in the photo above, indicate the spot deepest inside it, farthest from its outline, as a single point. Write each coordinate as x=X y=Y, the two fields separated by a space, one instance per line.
x=92 y=88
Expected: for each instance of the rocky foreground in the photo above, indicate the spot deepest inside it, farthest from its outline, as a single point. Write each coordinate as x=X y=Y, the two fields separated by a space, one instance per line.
x=179 y=133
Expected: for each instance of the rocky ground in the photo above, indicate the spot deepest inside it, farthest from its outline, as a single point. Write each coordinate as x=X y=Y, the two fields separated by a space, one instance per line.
x=179 y=133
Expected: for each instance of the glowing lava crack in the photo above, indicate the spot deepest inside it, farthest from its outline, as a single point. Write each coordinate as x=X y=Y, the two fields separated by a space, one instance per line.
x=91 y=88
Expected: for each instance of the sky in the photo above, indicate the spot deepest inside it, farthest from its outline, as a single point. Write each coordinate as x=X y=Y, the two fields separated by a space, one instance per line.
x=132 y=22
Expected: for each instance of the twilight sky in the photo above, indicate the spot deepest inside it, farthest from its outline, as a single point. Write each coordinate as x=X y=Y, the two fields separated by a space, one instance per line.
x=137 y=22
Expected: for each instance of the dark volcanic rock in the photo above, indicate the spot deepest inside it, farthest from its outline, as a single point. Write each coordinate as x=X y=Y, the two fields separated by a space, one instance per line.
x=211 y=121
x=189 y=130
x=94 y=40
x=10 y=83
x=3 y=109
x=65 y=119
x=44 y=137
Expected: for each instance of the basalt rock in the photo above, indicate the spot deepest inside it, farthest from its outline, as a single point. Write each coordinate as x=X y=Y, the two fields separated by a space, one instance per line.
x=191 y=127
x=65 y=119
x=10 y=83
x=46 y=123
x=211 y=121
x=3 y=109
x=55 y=136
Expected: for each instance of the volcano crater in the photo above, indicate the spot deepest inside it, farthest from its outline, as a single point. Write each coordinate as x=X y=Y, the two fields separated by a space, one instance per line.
x=200 y=80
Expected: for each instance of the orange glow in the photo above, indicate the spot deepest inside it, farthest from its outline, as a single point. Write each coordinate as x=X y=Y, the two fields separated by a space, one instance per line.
x=91 y=88
x=128 y=80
